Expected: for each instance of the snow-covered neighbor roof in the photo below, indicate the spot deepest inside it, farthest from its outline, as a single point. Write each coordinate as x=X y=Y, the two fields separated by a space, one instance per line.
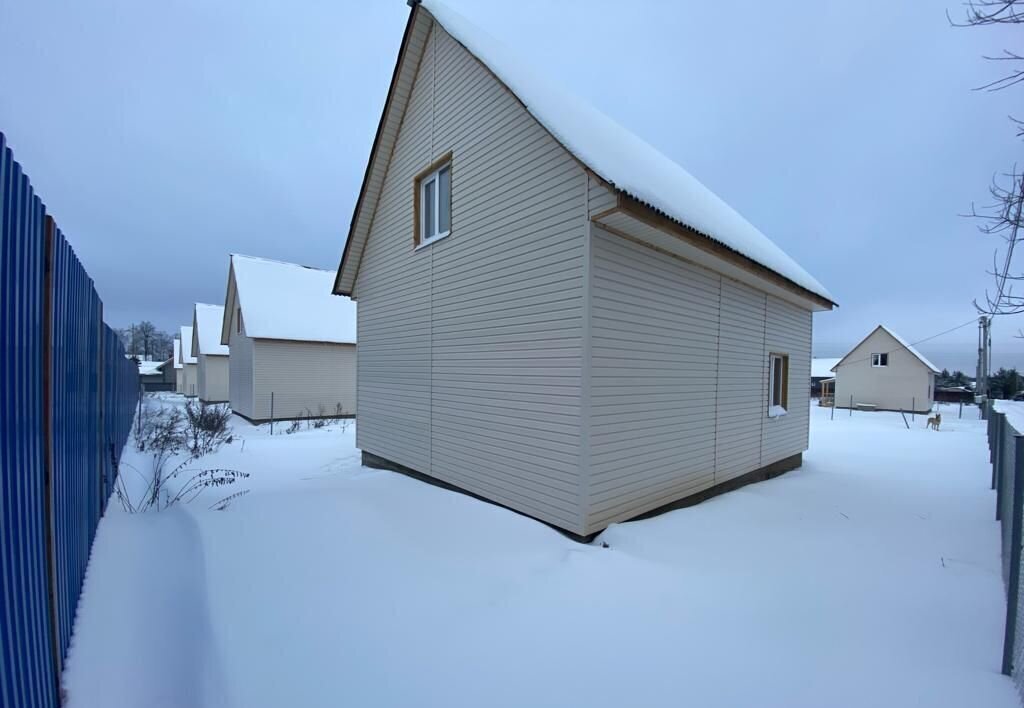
x=208 y=322
x=899 y=340
x=620 y=157
x=821 y=368
x=187 y=357
x=148 y=368
x=177 y=354
x=911 y=349
x=288 y=301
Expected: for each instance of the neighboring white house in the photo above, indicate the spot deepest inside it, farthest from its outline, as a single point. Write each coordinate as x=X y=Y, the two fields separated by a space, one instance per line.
x=188 y=363
x=883 y=372
x=212 y=356
x=821 y=370
x=179 y=372
x=293 y=343
x=552 y=314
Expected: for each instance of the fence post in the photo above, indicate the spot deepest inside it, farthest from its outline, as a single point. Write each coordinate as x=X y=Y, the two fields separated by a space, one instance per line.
x=1016 y=521
x=851 y=405
x=913 y=407
x=995 y=443
x=271 y=412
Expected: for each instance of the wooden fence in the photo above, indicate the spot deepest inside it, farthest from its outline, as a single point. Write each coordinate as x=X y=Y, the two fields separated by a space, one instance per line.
x=67 y=397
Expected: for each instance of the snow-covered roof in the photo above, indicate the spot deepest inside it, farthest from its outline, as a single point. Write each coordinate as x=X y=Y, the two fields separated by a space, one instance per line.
x=821 y=368
x=620 y=157
x=187 y=357
x=288 y=301
x=148 y=368
x=911 y=349
x=903 y=344
x=177 y=353
x=208 y=319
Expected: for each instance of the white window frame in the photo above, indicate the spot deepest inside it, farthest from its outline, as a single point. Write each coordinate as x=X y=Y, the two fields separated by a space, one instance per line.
x=876 y=360
x=773 y=405
x=433 y=178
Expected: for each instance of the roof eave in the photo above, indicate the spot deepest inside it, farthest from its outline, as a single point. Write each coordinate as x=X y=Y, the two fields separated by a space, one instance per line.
x=357 y=212
x=645 y=212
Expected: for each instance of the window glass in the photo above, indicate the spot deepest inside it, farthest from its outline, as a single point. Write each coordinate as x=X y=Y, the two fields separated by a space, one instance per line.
x=776 y=381
x=444 y=200
x=429 y=225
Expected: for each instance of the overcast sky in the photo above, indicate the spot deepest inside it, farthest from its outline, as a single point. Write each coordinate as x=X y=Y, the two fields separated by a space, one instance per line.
x=164 y=136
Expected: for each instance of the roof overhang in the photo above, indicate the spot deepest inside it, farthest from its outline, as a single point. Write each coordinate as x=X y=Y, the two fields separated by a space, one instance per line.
x=637 y=221
x=414 y=41
x=230 y=303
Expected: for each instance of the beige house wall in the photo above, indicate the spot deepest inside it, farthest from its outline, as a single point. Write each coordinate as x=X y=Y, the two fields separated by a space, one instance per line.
x=905 y=384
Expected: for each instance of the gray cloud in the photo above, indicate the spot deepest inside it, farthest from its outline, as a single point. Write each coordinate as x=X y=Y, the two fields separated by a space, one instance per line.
x=164 y=137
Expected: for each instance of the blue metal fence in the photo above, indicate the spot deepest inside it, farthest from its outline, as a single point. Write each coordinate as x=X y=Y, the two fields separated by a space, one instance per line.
x=67 y=397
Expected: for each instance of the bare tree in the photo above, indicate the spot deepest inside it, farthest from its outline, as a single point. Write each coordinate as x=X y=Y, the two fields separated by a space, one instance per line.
x=979 y=13
x=1001 y=218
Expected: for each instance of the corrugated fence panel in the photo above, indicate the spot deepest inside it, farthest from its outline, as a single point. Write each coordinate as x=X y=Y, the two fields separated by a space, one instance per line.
x=77 y=476
x=27 y=671
x=67 y=400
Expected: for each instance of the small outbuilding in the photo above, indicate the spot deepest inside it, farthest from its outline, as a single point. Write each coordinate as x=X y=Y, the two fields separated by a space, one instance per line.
x=293 y=343
x=884 y=372
x=157 y=375
x=821 y=370
x=188 y=364
x=211 y=356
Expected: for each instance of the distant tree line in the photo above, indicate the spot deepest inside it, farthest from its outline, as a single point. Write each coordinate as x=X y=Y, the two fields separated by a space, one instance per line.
x=1005 y=383
x=143 y=340
x=951 y=380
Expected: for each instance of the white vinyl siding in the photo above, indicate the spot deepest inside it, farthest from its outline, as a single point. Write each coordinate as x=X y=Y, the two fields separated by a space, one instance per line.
x=306 y=378
x=742 y=380
x=189 y=379
x=240 y=368
x=679 y=379
x=212 y=378
x=788 y=331
x=470 y=350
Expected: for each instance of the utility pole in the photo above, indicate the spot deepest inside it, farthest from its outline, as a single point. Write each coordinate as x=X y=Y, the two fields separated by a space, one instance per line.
x=984 y=355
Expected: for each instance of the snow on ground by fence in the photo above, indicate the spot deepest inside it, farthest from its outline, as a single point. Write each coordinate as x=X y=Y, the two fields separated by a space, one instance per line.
x=870 y=576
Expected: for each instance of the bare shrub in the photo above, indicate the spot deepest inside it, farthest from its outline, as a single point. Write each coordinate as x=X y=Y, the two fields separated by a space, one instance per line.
x=166 y=434
x=206 y=428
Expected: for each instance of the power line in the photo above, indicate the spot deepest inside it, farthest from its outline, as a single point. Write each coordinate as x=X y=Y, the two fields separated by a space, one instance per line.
x=902 y=346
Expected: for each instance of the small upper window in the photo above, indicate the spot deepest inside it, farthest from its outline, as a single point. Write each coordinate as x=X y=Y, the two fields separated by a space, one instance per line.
x=880 y=359
x=434 y=192
x=778 y=385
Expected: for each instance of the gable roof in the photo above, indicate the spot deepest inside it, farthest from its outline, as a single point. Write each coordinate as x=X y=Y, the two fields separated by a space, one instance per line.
x=288 y=301
x=177 y=353
x=207 y=320
x=628 y=164
x=902 y=344
x=187 y=357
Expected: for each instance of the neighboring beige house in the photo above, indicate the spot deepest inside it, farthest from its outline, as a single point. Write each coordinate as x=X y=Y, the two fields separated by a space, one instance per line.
x=553 y=315
x=179 y=372
x=211 y=356
x=293 y=343
x=188 y=364
x=883 y=372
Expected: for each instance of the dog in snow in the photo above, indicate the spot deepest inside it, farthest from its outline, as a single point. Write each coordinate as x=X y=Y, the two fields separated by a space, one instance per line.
x=934 y=422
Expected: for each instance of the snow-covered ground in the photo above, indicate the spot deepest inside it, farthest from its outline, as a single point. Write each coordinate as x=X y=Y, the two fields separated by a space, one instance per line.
x=869 y=577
